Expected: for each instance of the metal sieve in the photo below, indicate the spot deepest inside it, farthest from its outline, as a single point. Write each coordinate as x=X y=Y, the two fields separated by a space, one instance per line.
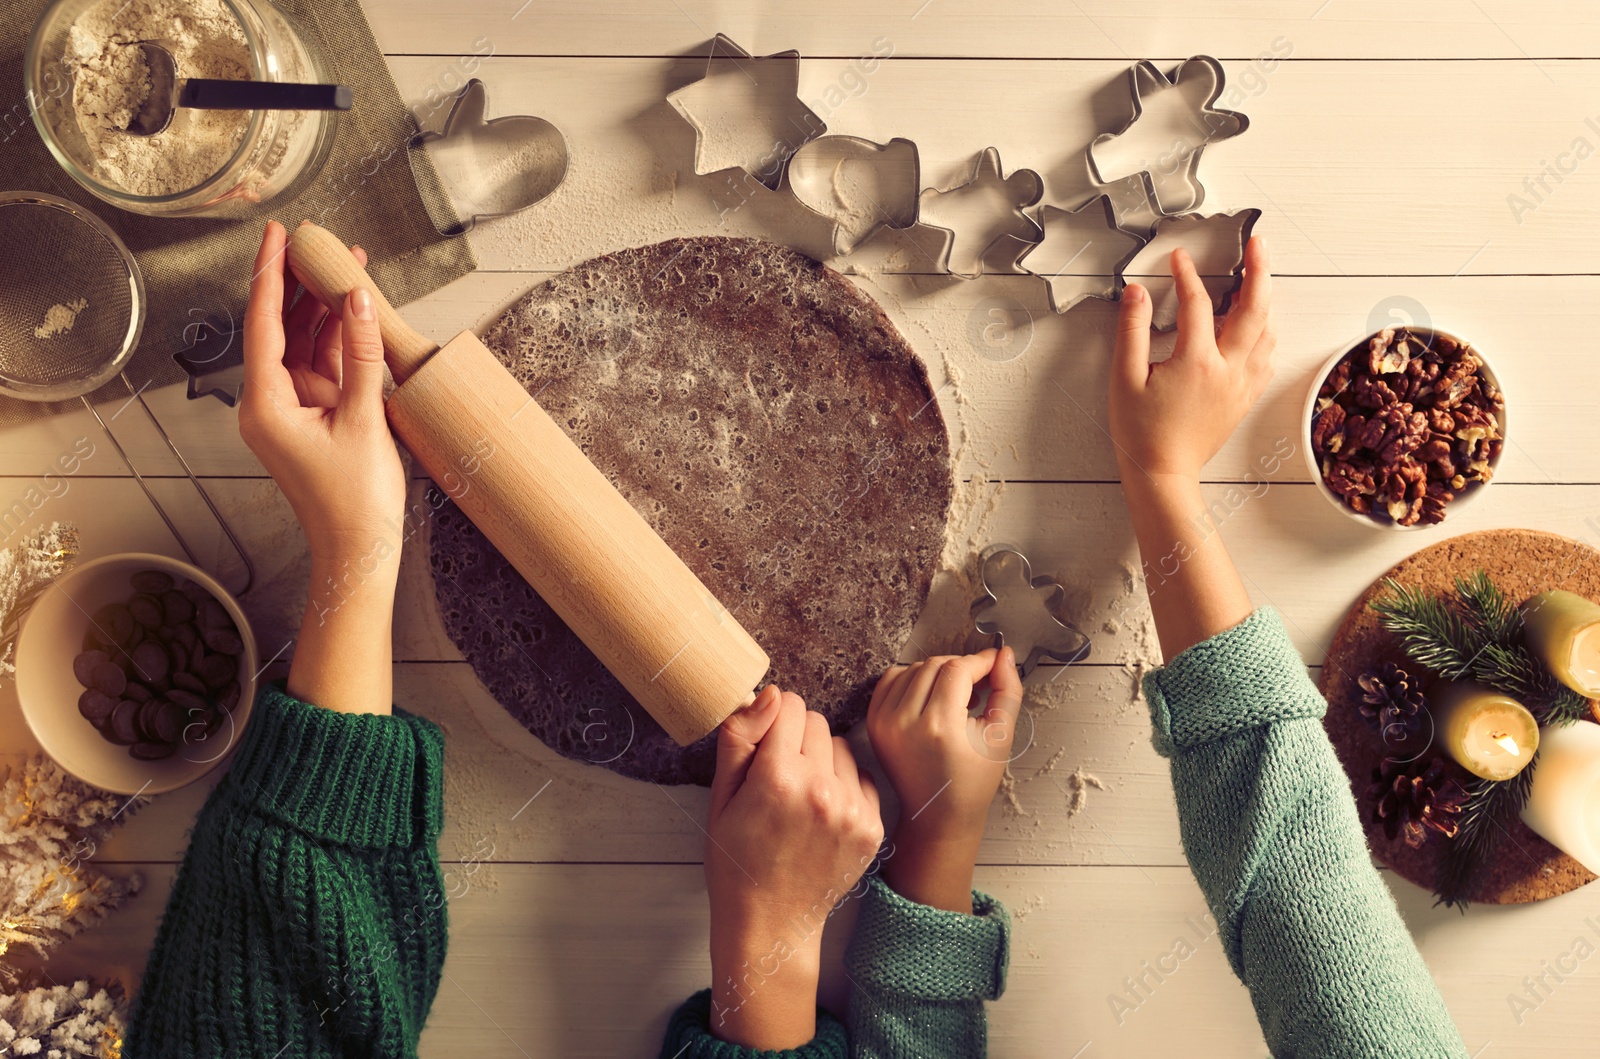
x=70 y=320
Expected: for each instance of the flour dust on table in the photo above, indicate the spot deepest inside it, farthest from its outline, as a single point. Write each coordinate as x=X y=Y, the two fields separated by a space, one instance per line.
x=769 y=422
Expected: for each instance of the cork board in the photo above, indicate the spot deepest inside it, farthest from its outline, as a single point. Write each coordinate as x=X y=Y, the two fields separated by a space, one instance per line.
x=767 y=420
x=1523 y=563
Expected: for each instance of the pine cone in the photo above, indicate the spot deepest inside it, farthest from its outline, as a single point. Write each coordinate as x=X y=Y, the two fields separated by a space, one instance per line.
x=1392 y=703
x=1411 y=798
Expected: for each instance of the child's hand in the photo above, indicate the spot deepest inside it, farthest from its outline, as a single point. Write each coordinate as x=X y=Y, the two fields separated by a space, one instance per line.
x=792 y=827
x=945 y=765
x=1170 y=418
x=312 y=412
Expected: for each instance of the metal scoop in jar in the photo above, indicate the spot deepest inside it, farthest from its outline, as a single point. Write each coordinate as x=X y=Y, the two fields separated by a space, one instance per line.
x=201 y=93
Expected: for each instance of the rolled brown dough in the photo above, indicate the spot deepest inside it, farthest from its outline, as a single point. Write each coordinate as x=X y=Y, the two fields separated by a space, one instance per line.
x=771 y=424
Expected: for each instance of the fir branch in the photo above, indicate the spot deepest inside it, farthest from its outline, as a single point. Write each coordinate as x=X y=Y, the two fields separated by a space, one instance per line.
x=1487 y=609
x=1431 y=630
x=1491 y=808
x=1511 y=668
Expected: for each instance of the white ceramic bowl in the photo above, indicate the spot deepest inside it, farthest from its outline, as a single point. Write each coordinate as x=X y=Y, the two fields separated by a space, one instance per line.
x=52 y=636
x=1308 y=416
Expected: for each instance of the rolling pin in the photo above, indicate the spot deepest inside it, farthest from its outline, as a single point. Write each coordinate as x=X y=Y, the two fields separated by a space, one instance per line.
x=553 y=514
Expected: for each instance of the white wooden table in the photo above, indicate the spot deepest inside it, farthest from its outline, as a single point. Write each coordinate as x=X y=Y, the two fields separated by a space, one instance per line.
x=1382 y=150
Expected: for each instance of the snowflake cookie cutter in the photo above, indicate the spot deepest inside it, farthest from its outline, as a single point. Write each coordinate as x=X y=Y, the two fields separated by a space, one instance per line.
x=1022 y=189
x=1171 y=181
x=490 y=168
x=1219 y=258
x=1088 y=238
x=1019 y=609
x=746 y=112
x=858 y=184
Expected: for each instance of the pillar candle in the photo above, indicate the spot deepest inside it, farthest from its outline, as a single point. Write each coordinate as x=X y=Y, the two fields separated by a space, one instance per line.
x=1564 y=801
x=1489 y=733
x=1563 y=630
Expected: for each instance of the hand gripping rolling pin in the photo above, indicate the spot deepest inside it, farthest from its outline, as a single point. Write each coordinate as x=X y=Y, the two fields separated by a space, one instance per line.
x=551 y=512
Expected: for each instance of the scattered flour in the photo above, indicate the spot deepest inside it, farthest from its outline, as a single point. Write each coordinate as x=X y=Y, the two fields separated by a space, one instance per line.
x=1078 y=784
x=111 y=81
x=58 y=319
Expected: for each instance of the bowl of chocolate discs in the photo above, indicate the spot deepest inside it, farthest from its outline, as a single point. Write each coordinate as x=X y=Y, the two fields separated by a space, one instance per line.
x=136 y=672
x=1404 y=427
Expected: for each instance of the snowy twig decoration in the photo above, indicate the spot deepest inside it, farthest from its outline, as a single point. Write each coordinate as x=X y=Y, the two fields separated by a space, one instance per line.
x=63 y=1021
x=50 y=825
x=26 y=569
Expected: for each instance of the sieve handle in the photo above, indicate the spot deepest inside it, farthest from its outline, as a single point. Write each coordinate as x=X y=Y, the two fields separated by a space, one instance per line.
x=325 y=266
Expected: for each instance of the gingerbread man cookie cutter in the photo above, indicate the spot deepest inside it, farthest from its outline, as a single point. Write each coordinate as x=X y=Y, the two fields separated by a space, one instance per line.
x=1019 y=610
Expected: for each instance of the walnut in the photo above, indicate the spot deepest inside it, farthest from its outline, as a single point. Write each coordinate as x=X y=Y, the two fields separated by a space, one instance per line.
x=1338 y=381
x=1392 y=358
x=1326 y=432
x=1473 y=423
x=1349 y=478
x=1434 y=501
x=1433 y=450
x=1372 y=393
x=1359 y=504
x=1440 y=421
x=1445 y=346
x=1394 y=431
x=1405 y=512
x=1457 y=383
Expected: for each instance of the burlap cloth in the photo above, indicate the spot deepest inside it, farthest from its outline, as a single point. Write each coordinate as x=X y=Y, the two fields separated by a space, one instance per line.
x=198 y=268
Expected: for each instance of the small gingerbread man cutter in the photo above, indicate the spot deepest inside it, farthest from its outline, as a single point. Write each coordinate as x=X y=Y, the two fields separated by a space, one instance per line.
x=1019 y=610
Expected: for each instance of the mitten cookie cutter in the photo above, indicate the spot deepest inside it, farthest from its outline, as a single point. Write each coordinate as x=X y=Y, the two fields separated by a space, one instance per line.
x=1019 y=609
x=1164 y=303
x=532 y=165
x=887 y=197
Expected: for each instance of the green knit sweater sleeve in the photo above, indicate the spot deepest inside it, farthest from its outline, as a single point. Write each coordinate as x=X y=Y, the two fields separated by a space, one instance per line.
x=918 y=975
x=308 y=917
x=1272 y=835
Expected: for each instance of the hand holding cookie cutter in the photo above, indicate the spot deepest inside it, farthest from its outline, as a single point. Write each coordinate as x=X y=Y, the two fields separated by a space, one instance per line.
x=1019 y=610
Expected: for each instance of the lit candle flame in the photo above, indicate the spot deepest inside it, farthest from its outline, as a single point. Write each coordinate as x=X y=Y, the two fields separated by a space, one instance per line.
x=1508 y=744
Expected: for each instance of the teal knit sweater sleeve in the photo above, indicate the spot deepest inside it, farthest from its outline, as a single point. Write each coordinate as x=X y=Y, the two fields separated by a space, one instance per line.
x=1272 y=835
x=918 y=975
x=308 y=917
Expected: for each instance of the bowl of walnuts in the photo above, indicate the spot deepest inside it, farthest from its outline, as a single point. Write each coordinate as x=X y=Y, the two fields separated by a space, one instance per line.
x=1404 y=426
x=136 y=672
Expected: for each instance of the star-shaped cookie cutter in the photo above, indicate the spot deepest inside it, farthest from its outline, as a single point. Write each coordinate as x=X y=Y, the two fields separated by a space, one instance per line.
x=213 y=359
x=1019 y=610
x=1172 y=181
x=1021 y=190
x=746 y=112
x=1088 y=238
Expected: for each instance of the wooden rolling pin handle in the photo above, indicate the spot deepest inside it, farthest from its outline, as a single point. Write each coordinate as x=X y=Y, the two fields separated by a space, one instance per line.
x=326 y=268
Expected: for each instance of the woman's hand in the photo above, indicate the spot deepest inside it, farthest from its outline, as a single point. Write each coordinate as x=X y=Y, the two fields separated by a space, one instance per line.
x=312 y=412
x=945 y=764
x=312 y=409
x=1169 y=419
x=793 y=825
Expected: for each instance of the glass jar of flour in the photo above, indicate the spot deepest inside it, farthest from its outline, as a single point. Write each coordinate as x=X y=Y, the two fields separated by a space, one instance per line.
x=86 y=76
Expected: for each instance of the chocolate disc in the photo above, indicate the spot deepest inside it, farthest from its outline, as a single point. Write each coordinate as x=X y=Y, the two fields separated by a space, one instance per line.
x=767 y=419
